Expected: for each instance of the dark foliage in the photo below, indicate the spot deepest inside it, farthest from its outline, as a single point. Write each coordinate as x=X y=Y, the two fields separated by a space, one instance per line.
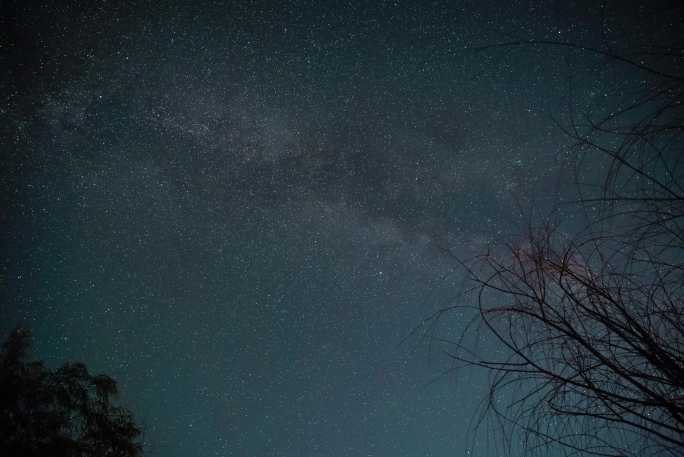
x=59 y=413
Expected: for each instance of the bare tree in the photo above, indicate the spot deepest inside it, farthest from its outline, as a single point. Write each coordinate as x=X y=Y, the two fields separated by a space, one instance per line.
x=592 y=324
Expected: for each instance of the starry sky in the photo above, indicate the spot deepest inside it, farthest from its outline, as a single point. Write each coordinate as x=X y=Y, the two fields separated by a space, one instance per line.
x=240 y=209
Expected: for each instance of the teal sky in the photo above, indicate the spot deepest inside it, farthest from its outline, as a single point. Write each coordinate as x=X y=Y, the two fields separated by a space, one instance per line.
x=239 y=210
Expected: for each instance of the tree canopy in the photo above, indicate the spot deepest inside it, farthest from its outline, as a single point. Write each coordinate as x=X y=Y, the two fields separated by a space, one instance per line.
x=62 y=413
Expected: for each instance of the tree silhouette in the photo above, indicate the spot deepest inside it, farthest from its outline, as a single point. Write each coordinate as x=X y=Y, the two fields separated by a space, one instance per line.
x=63 y=413
x=591 y=325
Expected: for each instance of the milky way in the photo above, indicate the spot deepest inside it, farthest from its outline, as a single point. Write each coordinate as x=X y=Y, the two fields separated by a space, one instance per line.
x=239 y=211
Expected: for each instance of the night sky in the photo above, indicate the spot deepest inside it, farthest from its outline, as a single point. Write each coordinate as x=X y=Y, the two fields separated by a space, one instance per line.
x=240 y=210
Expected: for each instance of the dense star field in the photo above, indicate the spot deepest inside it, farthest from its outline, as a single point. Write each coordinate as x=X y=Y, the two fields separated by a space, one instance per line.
x=240 y=210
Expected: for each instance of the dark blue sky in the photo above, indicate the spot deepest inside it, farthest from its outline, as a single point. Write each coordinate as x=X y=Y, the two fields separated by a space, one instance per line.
x=240 y=210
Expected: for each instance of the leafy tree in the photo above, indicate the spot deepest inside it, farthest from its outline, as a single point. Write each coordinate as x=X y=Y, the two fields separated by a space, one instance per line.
x=65 y=412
